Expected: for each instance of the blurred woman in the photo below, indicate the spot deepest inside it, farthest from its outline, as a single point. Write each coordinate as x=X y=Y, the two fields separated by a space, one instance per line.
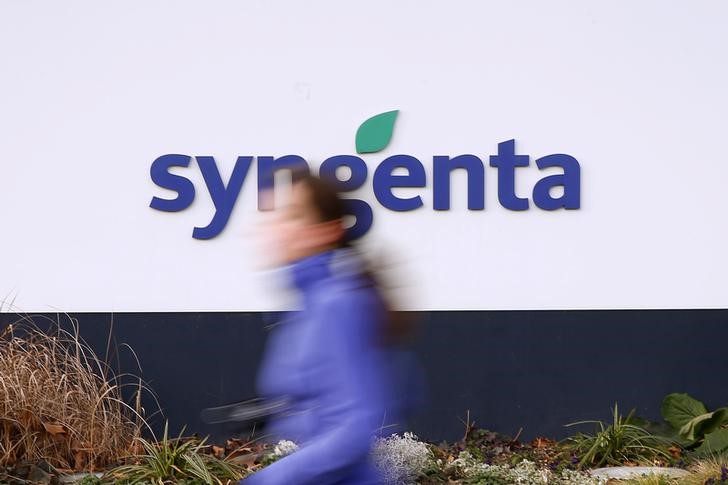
x=328 y=359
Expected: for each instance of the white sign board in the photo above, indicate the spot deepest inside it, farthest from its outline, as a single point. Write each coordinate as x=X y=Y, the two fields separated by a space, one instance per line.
x=91 y=93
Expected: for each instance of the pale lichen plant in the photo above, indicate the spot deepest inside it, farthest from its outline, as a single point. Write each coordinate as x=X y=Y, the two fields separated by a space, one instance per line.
x=284 y=448
x=401 y=459
x=524 y=473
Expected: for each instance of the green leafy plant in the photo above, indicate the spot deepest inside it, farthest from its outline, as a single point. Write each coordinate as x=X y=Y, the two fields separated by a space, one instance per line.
x=89 y=480
x=175 y=461
x=705 y=432
x=617 y=443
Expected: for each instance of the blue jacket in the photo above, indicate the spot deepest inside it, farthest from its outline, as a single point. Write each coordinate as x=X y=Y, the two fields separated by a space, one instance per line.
x=328 y=360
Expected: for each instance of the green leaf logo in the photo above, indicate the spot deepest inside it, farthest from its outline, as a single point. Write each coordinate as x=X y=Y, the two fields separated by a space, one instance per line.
x=375 y=133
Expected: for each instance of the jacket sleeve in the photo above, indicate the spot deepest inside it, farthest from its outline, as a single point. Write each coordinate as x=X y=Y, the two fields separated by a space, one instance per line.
x=353 y=409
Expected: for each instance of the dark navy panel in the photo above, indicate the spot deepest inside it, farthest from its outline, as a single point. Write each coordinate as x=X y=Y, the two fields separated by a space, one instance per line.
x=542 y=369
x=535 y=370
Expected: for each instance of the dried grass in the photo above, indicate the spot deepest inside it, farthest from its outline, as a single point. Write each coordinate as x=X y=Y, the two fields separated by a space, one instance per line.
x=59 y=402
x=709 y=470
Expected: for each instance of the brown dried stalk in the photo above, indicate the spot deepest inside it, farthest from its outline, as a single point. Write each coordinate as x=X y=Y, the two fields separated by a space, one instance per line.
x=59 y=402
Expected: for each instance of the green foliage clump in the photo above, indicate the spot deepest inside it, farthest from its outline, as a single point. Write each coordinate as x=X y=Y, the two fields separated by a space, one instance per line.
x=617 y=443
x=89 y=480
x=469 y=470
x=700 y=430
x=175 y=461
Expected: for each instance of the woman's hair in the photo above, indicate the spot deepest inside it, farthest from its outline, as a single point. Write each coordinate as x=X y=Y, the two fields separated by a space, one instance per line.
x=326 y=201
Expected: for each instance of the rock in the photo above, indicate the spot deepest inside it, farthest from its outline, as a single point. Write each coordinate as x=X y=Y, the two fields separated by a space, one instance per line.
x=22 y=469
x=78 y=476
x=622 y=472
x=46 y=467
x=38 y=476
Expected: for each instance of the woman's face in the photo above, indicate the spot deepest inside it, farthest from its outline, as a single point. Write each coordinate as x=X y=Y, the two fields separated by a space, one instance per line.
x=298 y=231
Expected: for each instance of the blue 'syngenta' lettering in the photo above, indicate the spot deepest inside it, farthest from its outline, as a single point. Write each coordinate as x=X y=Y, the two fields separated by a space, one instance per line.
x=182 y=185
x=223 y=196
x=386 y=179
x=569 y=180
x=267 y=168
x=362 y=212
x=506 y=161
x=442 y=166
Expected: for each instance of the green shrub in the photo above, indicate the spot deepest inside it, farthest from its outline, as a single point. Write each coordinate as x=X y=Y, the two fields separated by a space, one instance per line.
x=617 y=443
x=706 y=432
x=89 y=480
x=175 y=461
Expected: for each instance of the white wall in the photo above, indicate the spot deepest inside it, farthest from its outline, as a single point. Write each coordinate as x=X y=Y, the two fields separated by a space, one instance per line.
x=92 y=92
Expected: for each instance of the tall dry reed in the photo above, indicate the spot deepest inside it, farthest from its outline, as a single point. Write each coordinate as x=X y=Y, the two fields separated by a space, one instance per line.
x=59 y=402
